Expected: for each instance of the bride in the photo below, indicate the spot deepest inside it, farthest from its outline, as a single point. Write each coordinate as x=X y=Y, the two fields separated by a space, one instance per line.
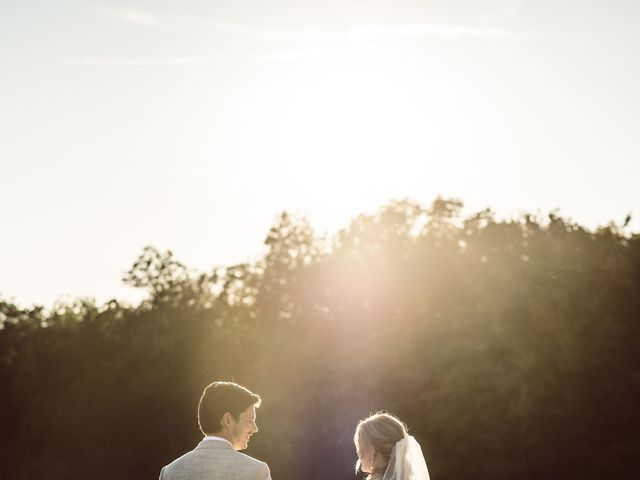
x=386 y=451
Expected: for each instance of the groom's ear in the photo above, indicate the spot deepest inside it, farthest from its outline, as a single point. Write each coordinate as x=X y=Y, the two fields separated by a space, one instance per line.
x=225 y=421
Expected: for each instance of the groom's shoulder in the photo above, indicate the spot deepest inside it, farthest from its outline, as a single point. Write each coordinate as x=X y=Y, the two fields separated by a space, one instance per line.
x=249 y=466
x=249 y=460
x=243 y=462
x=199 y=459
x=220 y=455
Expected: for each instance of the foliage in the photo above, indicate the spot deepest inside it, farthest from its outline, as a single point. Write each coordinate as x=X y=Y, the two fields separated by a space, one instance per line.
x=509 y=347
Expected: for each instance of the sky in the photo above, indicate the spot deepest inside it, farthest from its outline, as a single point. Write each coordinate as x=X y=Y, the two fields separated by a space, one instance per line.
x=189 y=125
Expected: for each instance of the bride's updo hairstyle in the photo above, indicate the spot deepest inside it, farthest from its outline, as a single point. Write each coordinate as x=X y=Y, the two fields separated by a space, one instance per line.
x=381 y=431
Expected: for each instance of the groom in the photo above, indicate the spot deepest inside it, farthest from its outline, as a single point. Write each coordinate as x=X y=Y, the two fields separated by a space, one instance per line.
x=227 y=418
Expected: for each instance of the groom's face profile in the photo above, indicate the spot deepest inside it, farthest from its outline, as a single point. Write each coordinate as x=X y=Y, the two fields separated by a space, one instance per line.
x=240 y=430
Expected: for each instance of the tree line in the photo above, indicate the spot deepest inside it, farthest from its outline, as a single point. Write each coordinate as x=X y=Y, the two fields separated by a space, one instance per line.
x=510 y=348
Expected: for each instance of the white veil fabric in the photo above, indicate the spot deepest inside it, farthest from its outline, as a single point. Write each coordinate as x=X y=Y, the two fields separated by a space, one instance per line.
x=406 y=461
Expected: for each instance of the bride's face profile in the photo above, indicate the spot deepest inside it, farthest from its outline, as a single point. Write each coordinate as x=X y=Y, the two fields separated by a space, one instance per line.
x=367 y=456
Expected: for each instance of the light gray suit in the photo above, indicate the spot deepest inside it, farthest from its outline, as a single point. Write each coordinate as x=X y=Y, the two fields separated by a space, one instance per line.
x=215 y=460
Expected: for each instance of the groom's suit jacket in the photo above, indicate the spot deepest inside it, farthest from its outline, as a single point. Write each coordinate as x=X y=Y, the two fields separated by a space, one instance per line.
x=215 y=460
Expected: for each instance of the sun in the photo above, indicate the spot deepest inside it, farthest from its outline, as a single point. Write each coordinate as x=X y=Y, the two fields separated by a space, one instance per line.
x=348 y=140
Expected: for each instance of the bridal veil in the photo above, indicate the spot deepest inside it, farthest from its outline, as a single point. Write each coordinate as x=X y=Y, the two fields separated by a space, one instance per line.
x=406 y=461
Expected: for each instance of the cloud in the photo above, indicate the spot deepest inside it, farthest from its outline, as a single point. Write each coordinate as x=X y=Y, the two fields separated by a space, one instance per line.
x=355 y=33
x=137 y=61
x=304 y=53
x=294 y=54
x=366 y=32
x=130 y=16
x=353 y=40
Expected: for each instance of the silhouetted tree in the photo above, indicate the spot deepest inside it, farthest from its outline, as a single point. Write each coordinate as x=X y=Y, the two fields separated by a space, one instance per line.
x=509 y=347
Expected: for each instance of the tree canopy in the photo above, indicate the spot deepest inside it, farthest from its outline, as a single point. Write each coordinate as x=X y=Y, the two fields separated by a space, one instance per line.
x=509 y=347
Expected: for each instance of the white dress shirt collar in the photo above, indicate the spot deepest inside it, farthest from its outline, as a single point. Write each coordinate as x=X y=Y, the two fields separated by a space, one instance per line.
x=213 y=437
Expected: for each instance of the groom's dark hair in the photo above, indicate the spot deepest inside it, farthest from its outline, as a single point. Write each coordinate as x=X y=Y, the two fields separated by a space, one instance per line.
x=219 y=398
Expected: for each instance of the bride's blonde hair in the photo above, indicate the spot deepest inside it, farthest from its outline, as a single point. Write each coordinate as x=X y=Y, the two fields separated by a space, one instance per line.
x=380 y=431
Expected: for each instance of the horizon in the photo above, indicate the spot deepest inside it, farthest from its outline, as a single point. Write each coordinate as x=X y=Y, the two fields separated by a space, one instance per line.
x=133 y=296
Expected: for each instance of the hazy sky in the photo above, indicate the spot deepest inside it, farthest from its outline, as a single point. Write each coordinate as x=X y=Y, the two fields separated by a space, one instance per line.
x=189 y=125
